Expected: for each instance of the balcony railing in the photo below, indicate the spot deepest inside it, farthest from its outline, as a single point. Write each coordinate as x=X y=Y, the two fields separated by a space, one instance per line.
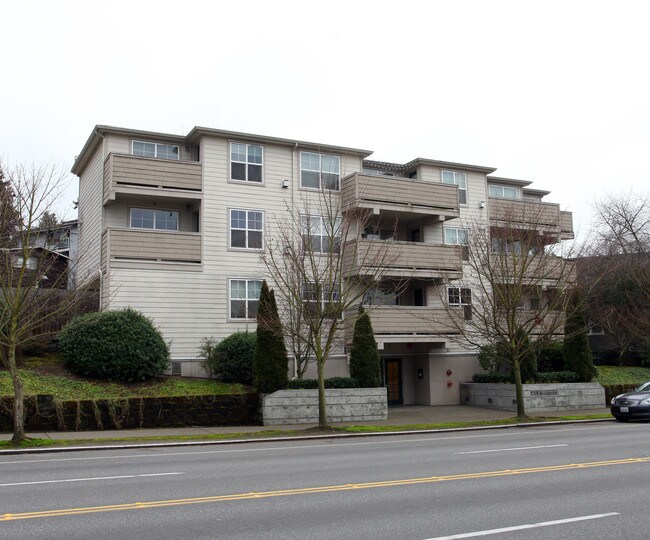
x=391 y=258
x=148 y=245
x=399 y=194
x=542 y=270
x=409 y=320
x=126 y=173
x=530 y=215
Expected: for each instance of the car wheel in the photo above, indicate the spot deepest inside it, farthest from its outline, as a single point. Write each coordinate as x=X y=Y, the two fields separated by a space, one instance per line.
x=622 y=419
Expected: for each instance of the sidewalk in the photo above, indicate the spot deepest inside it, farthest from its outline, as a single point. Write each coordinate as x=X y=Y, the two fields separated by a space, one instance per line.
x=397 y=416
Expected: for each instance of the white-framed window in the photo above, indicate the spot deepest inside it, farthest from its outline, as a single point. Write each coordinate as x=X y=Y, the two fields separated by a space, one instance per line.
x=246 y=161
x=319 y=171
x=30 y=264
x=458 y=236
x=461 y=296
x=378 y=233
x=246 y=229
x=596 y=330
x=325 y=296
x=153 y=218
x=244 y=298
x=155 y=150
x=321 y=234
x=459 y=179
x=503 y=192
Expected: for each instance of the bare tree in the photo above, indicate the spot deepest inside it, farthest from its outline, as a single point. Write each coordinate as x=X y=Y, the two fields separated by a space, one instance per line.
x=514 y=289
x=321 y=271
x=620 y=260
x=32 y=277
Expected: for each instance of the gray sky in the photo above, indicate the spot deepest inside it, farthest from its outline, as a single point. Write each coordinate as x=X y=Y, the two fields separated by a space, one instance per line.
x=557 y=92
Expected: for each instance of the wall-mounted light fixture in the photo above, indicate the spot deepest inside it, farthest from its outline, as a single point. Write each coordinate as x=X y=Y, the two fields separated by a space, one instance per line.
x=285 y=183
x=481 y=204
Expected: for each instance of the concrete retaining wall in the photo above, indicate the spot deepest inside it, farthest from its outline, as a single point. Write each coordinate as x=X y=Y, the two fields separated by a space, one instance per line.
x=343 y=405
x=537 y=397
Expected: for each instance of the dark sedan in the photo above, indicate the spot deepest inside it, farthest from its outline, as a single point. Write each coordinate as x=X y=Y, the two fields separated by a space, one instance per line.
x=635 y=404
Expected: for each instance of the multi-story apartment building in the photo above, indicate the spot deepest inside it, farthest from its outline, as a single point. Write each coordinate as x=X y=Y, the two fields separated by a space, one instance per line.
x=174 y=225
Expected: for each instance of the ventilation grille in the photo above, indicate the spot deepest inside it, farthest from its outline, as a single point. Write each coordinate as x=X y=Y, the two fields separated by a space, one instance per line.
x=176 y=368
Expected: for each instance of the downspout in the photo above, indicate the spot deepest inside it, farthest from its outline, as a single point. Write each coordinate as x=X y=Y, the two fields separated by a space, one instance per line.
x=293 y=233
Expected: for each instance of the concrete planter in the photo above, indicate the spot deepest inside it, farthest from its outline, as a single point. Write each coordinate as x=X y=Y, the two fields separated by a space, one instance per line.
x=343 y=405
x=537 y=397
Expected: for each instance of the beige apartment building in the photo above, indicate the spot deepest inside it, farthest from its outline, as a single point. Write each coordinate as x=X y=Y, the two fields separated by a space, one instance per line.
x=173 y=226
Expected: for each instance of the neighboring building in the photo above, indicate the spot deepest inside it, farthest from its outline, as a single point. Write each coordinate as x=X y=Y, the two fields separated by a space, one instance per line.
x=60 y=240
x=173 y=225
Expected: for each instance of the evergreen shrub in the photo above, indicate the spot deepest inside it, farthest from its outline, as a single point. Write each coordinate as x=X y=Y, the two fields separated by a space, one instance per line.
x=230 y=360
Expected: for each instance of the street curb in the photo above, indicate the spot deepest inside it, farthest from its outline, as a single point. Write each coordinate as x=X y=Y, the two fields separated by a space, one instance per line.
x=60 y=449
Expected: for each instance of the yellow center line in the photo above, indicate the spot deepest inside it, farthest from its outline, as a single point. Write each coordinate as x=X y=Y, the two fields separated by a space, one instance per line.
x=316 y=489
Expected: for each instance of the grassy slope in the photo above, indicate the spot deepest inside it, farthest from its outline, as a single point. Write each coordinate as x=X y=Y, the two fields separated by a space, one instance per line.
x=623 y=375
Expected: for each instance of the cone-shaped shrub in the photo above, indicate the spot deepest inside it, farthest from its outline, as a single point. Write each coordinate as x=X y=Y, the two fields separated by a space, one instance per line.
x=365 y=366
x=271 y=362
x=577 y=352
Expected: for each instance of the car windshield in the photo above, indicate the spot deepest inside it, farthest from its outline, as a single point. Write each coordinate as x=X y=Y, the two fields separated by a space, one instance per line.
x=644 y=387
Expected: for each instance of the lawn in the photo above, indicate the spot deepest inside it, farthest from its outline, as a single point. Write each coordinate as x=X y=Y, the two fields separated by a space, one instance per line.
x=38 y=379
x=623 y=375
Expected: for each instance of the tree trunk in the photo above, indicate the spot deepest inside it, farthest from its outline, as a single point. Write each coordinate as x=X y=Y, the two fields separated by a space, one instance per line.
x=322 y=411
x=19 y=397
x=519 y=389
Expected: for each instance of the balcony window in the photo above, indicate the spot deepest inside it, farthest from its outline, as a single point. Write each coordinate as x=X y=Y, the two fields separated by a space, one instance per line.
x=459 y=179
x=246 y=162
x=155 y=150
x=244 y=298
x=455 y=236
x=246 y=229
x=461 y=296
x=503 y=192
x=320 y=234
x=148 y=218
x=325 y=297
x=319 y=171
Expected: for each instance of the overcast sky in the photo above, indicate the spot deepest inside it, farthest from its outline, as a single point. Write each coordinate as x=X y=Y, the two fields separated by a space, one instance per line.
x=553 y=92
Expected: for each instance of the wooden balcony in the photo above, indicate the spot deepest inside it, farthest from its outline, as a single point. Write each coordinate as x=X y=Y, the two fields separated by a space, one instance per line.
x=148 y=245
x=541 y=216
x=408 y=322
x=392 y=258
x=544 y=271
x=399 y=195
x=135 y=175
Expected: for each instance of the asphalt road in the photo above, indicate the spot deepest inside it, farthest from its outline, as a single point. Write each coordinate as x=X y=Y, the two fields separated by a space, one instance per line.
x=564 y=482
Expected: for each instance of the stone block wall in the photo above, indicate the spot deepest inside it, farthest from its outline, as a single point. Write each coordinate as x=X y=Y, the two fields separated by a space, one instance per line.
x=537 y=397
x=45 y=413
x=343 y=405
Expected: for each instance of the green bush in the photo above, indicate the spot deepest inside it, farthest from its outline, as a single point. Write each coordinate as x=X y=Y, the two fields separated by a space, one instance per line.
x=115 y=345
x=491 y=377
x=577 y=352
x=365 y=365
x=230 y=360
x=551 y=357
x=333 y=382
x=557 y=377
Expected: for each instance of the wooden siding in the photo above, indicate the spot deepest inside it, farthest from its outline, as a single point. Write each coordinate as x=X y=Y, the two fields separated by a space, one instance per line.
x=408 y=320
x=528 y=213
x=363 y=191
x=126 y=170
x=153 y=245
x=90 y=218
x=566 y=225
x=403 y=259
x=537 y=270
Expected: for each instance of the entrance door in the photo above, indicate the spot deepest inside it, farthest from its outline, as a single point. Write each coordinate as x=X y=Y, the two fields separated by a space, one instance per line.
x=393 y=380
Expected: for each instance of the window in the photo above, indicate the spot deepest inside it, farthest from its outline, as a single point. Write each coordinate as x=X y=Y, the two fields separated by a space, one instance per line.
x=325 y=296
x=246 y=162
x=244 y=298
x=246 y=229
x=534 y=303
x=155 y=150
x=319 y=171
x=459 y=179
x=377 y=296
x=461 y=296
x=377 y=233
x=596 y=330
x=455 y=236
x=149 y=218
x=503 y=192
x=321 y=234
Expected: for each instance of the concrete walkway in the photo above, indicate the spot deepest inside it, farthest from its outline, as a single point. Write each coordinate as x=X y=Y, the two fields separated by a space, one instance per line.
x=397 y=416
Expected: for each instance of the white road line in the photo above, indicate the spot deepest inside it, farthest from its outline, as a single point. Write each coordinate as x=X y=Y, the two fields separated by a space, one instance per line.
x=522 y=527
x=510 y=449
x=149 y=453
x=88 y=479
